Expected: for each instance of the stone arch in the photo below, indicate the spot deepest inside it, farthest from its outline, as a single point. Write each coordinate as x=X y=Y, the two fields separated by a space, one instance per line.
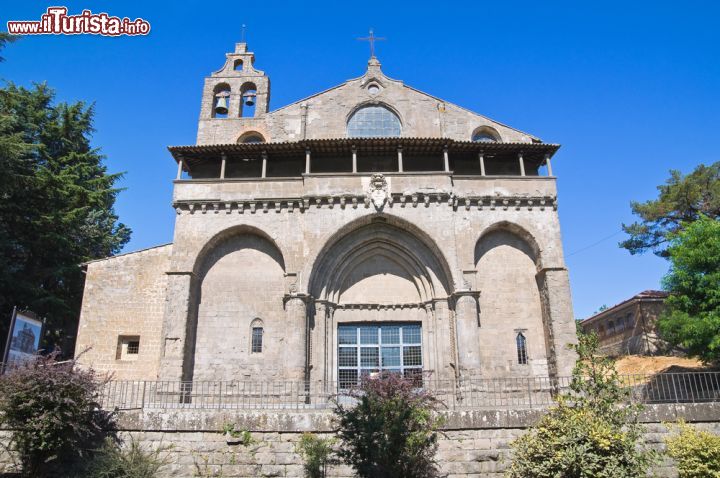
x=410 y=250
x=238 y=277
x=251 y=136
x=527 y=242
x=241 y=229
x=485 y=134
x=507 y=261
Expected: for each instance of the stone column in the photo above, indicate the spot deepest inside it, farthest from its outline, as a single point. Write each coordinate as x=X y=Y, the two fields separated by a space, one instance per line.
x=295 y=351
x=176 y=338
x=329 y=345
x=468 y=332
x=554 y=286
x=445 y=341
x=318 y=335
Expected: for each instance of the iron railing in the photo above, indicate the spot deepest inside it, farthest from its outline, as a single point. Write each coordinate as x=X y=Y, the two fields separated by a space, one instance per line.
x=500 y=393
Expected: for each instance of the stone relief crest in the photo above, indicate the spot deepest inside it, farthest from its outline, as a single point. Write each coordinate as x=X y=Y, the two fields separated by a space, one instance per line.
x=378 y=192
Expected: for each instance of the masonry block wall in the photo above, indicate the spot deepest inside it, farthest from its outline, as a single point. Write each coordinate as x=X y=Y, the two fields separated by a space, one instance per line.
x=124 y=298
x=474 y=444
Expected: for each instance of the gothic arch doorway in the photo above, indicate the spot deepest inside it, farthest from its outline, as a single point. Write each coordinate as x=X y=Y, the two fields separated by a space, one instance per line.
x=380 y=297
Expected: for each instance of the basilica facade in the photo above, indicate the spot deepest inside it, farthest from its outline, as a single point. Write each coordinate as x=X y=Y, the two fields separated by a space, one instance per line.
x=369 y=227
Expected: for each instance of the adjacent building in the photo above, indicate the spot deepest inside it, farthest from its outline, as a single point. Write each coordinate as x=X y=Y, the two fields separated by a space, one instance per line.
x=630 y=327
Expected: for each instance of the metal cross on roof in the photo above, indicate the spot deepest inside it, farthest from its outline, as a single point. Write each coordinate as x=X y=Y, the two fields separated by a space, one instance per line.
x=372 y=39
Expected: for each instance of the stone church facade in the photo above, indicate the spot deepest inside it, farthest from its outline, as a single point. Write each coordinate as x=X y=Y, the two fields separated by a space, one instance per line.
x=368 y=227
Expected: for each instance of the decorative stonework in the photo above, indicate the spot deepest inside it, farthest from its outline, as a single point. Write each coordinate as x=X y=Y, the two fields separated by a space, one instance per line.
x=378 y=191
x=376 y=196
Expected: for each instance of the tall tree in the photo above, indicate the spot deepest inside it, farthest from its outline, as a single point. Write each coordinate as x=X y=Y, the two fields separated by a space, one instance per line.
x=693 y=316
x=6 y=38
x=682 y=199
x=57 y=206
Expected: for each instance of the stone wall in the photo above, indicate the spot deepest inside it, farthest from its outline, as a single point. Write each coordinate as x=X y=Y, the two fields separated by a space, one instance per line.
x=124 y=296
x=325 y=114
x=474 y=443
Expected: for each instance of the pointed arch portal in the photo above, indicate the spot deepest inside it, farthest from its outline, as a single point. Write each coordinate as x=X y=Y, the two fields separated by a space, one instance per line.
x=376 y=287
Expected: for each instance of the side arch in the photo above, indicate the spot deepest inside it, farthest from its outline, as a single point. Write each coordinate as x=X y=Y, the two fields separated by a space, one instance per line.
x=528 y=244
x=230 y=232
x=233 y=274
x=508 y=259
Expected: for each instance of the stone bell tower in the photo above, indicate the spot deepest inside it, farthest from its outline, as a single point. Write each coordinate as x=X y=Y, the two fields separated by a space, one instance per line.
x=235 y=99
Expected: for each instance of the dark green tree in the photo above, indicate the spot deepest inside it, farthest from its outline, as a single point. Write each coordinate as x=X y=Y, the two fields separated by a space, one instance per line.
x=682 y=199
x=56 y=209
x=693 y=316
x=6 y=38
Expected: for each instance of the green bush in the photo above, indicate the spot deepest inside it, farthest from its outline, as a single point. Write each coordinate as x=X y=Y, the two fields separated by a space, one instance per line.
x=113 y=461
x=317 y=454
x=696 y=452
x=53 y=415
x=390 y=432
x=592 y=432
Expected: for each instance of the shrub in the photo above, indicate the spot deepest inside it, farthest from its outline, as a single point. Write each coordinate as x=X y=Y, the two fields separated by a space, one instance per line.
x=696 y=452
x=317 y=454
x=113 y=461
x=53 y=414
x=390 y=432
x=591 y=433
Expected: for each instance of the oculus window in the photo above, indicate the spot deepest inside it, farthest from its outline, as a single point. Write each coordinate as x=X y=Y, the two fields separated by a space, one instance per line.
x=365 y=349
x=373 y=122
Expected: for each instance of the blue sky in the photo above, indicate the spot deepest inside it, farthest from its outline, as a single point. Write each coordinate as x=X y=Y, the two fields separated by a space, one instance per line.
x=630 y=89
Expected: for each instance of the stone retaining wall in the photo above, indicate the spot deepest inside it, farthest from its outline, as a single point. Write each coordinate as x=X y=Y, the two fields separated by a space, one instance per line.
x=475 y=443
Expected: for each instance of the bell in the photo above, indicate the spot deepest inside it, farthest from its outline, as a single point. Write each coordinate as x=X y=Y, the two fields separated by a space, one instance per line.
x=249 y=99
x=221 y=105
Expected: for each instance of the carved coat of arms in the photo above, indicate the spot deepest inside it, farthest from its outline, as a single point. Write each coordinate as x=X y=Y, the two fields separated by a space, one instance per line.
x=378 y=191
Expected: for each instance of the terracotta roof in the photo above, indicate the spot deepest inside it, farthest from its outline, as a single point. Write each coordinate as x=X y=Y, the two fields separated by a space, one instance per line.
x=341 y=145
x=644 y=295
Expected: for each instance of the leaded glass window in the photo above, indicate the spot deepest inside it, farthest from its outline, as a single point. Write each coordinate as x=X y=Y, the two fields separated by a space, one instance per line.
x=367 y=348
x=522 y=354
x=373 y=122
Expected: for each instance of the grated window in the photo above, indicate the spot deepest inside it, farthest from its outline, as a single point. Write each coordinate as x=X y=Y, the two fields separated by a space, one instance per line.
x=366 y=349
x=133 y=347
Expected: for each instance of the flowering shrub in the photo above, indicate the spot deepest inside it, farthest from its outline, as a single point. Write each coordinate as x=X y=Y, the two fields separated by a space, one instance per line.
x=391 y=429
x=53 y=414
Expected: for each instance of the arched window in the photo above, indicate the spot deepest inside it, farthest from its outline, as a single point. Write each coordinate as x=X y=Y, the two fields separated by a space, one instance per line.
x=238 y=65
x=251 y=137
x=248 y=99
x=221 y=100
x=521 y=343
x=257 y=330
x=373 y=121
x=485 y=134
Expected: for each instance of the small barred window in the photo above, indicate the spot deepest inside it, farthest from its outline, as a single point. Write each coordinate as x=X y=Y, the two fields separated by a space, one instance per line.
x=522 y=354
x=128 y=347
